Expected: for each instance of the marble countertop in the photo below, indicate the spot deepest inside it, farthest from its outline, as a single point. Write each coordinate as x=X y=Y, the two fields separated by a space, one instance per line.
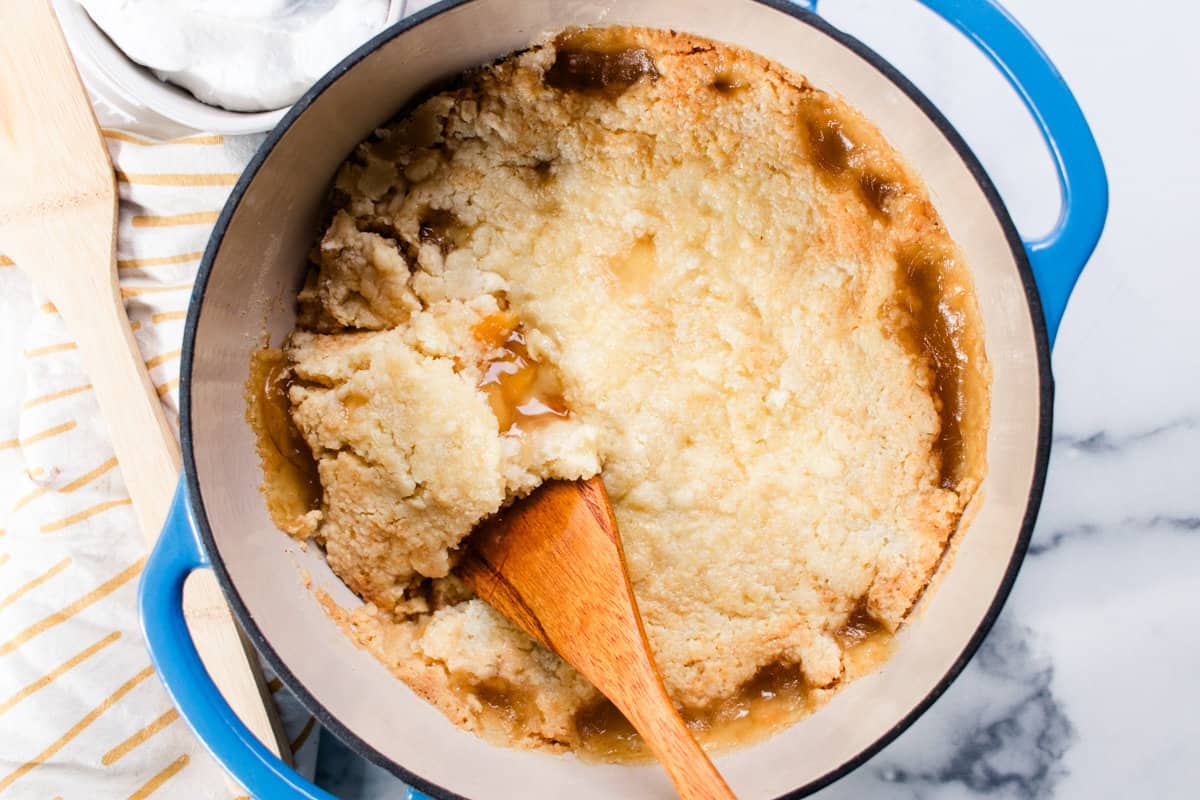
x=1086 y=687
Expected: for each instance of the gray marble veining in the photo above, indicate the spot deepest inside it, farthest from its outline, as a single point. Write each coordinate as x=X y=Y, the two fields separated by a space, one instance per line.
x=1003 y=730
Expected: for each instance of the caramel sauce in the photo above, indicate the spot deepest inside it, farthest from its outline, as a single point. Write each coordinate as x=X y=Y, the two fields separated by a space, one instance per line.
x=502 y=710
x=859 y=626
x=933 y=306
x=503 y=705
x=934 y=317
x=844 y=162
x=598 y=61
x=866 y=642
x=522 y=391
x=493 y=330
x=544 y=171
x=291 y=485
x=635 y=269
x=728 y=81
x=441 y=228
x=876 y=191
x=831 y=146
x=774 y=699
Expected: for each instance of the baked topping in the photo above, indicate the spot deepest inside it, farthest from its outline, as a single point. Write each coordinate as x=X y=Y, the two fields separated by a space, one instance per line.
x=769 y=344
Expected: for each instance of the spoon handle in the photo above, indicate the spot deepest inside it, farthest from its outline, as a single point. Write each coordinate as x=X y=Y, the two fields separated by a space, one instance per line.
x=645 y=703
x=554 y=565
x=626 y=672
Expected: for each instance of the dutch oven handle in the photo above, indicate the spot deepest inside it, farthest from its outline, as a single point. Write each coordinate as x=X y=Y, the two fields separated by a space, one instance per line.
x=1058 y=257
x=160 y=600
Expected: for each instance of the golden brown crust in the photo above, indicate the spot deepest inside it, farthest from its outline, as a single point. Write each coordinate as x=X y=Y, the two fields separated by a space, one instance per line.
x=741 y=287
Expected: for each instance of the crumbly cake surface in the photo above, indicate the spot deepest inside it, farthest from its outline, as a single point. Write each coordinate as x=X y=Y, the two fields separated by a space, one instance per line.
x=758 y=327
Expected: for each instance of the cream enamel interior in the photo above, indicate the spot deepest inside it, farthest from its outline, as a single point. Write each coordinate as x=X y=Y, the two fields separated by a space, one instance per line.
x=252 y=286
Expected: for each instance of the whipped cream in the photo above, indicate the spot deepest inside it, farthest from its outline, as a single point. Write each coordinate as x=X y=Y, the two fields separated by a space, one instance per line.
x=243 y=55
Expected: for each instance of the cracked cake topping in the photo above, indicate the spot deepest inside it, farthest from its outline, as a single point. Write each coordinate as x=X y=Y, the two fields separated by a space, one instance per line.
x=673 y=261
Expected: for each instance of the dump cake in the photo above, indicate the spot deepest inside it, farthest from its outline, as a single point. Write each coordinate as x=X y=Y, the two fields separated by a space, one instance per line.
x=664 y=259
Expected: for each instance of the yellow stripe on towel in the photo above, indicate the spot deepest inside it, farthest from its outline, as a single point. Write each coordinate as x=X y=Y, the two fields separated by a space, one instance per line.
x=127 y=746
x=29 y=498
x=49 y=433
x=88 y=477
x=178 y=178
x=122 y=136
x=134 y=291
x=162 y=358
x=81 y=481
x=50 y=348
x=32 y=584
x=167 y=316
x=76 y=729
x=86 y=514
x=158 y=261
x=46 y=398
x=59 y=671
x=58 y=617
x=302 y=737
x=169 y=220
x=159 y=779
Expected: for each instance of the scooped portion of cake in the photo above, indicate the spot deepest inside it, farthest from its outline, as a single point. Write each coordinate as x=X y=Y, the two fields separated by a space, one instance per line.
x=671 y=261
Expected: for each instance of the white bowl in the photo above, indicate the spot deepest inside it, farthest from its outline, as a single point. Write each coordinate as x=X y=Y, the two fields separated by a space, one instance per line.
x=129 y=85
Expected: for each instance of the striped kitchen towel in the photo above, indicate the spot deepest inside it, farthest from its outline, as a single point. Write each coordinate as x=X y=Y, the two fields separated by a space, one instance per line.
x=82 y=715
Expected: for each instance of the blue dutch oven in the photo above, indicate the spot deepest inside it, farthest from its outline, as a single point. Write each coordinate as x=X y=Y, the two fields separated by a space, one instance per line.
x=254 y=265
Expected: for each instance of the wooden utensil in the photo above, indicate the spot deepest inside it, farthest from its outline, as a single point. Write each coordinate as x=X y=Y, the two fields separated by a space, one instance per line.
x=58 y=217
x=553 y=564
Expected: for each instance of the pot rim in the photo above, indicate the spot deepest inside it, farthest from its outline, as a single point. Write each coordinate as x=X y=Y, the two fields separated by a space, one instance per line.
x=1020 y=257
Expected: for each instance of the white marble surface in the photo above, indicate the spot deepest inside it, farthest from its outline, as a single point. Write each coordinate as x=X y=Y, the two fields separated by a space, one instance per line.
x=1087 y=686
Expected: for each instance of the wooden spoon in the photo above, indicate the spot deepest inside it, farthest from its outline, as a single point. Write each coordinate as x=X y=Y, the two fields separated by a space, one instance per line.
x=58 y=218
x=553 y=564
